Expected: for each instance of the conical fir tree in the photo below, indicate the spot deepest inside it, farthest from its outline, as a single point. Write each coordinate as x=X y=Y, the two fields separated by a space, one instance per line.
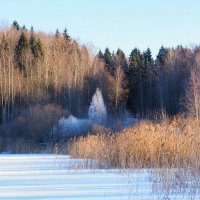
x=136 y=82
x=108 y=60
x=21 y=50
x=100 y=55
x=16 y=25
x=66 y=35
x=97 y=111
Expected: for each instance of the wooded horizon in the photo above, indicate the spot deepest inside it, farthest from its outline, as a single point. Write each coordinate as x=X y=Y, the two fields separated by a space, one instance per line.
x=52 y=75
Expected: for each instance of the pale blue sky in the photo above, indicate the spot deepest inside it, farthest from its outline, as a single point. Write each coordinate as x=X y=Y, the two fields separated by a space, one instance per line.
x=113 y=23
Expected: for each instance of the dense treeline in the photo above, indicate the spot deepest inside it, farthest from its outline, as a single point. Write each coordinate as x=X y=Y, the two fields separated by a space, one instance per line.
x=42 y=75
x=154 y=86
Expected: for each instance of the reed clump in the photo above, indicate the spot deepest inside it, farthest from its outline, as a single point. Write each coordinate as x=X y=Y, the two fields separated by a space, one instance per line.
x=172 y=144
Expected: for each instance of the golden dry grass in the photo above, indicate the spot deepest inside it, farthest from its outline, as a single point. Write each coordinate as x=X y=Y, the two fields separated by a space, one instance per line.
x=168 y=144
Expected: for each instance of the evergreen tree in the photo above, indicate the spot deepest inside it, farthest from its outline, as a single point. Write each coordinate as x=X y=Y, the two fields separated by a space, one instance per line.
x=136 y=85
x=108 y=60
x=21 y=51
x=24 y=28
x=66 y=35
x=148 y=57
x=16 y=25
x=120 y=60
x=39 y=52
x=40 y=48
x=149 y=75
x=36 y=46
x=100 y=55
x=57 y=34
x=32 y=41
x=160 y=73
x=162 y=56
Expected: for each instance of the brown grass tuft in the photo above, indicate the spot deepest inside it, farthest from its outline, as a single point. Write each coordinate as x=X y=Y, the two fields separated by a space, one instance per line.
x=169 y=144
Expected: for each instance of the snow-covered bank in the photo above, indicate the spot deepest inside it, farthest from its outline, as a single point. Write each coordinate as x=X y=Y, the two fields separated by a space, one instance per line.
x=56 y=177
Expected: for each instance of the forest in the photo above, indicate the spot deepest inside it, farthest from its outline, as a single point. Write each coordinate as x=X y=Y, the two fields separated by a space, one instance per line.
x=44 y=77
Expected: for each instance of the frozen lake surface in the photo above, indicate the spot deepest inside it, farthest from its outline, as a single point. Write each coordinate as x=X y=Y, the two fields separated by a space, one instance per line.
x=60 y=177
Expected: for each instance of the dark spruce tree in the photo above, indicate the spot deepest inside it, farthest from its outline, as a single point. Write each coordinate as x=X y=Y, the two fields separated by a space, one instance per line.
x=21 y=50
x=108 y=61
x=161 y=78
x=121 y=60
x=136 y=82
x=66 y=35
x=16 y=25
x=33 y=42
x=36 y=46
x=162 y=56
x=148 y=57
x=39 y=52
x=57 y=34
x=24 y=28
x=100 y=55
x=149 y=79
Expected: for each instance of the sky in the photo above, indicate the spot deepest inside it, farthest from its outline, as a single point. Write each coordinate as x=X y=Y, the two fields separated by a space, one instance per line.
x=124 y=24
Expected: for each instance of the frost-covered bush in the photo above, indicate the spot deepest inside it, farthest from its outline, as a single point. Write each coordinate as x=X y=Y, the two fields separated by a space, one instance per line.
x=72 y=126
x=97 y=112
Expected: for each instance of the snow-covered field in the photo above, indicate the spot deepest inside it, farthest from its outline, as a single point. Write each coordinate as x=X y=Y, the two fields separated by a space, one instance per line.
x=60 y=177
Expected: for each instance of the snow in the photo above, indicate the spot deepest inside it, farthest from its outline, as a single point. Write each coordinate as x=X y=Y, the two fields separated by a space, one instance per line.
x=61 y=177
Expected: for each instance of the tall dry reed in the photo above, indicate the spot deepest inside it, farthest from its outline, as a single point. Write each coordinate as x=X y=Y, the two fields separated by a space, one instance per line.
x=169 y=144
